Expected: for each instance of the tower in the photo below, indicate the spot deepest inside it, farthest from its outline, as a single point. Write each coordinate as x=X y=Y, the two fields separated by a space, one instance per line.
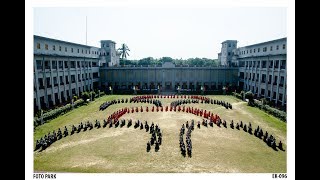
x=109 y=56
x=225 y=57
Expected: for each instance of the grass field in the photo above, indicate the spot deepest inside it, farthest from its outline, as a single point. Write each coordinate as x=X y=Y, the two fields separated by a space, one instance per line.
x=124 y=149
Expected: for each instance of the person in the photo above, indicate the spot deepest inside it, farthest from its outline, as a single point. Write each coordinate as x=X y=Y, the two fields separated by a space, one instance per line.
x=148 y=146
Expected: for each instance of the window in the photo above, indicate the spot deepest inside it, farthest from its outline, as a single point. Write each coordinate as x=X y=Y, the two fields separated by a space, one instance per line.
x=281 y=81
x=283 y=64
x=65 y=49
x=270 y=48
x=78 y=51
x=254 y=50
x=89 y=52
x=67 y=80
x=54 y=64
x=46 y=46
x=257 y=77
x=48 y=82
x=270 y=78
x=250 y=51
x=73 y=78
x=54 y=47
x=270 y=64
x=61 y=80
x=59 y=48
x=247 y=51
x=277 y=47
x=229 y=45
x=38 y=46
x=39 y=64
x=82 y=51
x=263 y=78
x=234 y=45
x=107 y=53
x=79 y=77
x=55 y=83
x=72 y=50
x=258 y=49
x=86 y=51
x=284 y=46
x=275 y=80
x=269 y=93
x=47 y=64
x=274 y=95
x=60 y=64
x=265 y=49
x=228 y=53
x=280 y=97
x=40 y=83
x=276 y=65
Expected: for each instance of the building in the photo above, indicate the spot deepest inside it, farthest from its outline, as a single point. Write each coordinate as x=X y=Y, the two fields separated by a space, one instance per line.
x=64 y=69
x=227 y=52
x=168 y=77
x=262 y=69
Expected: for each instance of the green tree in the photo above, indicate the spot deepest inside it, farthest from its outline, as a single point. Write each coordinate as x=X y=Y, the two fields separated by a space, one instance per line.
x=249 y=96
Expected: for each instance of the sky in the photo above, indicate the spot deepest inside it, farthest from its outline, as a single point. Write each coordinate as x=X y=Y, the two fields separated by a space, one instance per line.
x=162 y=32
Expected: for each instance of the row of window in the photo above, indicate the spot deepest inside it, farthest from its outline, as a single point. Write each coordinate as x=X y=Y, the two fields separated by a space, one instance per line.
x=263 y=79
x=274 y=96
x=265 y=49
x=65 y=80
x=64 y=64
x=271 y=64
x=46 y=47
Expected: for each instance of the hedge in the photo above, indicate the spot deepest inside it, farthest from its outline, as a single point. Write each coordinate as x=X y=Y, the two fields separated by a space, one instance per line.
x=56 y=112
x=270 y=110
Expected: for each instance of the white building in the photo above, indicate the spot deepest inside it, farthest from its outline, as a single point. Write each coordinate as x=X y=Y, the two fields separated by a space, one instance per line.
x=262 y=69
x=64 y=69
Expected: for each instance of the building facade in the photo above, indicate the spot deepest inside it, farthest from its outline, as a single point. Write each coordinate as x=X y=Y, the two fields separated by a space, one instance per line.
x=62 y=70
x=168 y=77
x=65 y=69
x=262 y=69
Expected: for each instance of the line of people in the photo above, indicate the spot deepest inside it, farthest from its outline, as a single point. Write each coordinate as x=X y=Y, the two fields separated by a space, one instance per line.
x=186 y=148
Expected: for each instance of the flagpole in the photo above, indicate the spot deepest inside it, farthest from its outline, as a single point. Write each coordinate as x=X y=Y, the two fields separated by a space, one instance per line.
x=86 y=31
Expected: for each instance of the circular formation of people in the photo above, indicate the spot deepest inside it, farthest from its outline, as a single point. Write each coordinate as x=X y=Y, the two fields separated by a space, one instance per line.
x=114 y=120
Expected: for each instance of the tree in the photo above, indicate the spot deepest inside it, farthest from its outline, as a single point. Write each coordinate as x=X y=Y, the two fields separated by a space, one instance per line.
x=249 y=96
x=123 y=51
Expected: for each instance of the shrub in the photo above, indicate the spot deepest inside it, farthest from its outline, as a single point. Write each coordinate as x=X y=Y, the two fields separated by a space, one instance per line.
x=249 y=96
x=275 y=112
x=237 y=95
x=56 y=112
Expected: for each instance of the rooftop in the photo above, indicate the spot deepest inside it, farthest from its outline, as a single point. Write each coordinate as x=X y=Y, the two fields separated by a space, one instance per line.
x=60 y=41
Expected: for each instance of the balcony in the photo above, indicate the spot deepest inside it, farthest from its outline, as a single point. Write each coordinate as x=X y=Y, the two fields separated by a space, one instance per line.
x=274 y=83
x=47 y=67
x=41 y=87
x=54 y=67
x=61 y=83
x=49 y=85
x=282 y=67
x=56 y=84
x=281 y=85
x=269 y=82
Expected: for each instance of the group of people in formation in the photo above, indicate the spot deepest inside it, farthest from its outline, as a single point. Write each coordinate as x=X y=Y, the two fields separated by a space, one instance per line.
x=187 y=99
x=186 y=148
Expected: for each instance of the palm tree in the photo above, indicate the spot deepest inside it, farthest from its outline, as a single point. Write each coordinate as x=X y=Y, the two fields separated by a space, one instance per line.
x=123 y=51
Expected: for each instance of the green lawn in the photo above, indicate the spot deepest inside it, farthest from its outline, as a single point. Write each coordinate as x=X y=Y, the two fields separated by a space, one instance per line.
x=124 y=149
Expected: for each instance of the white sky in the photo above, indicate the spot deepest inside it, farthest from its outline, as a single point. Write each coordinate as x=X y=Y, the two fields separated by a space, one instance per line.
x=158 y=32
